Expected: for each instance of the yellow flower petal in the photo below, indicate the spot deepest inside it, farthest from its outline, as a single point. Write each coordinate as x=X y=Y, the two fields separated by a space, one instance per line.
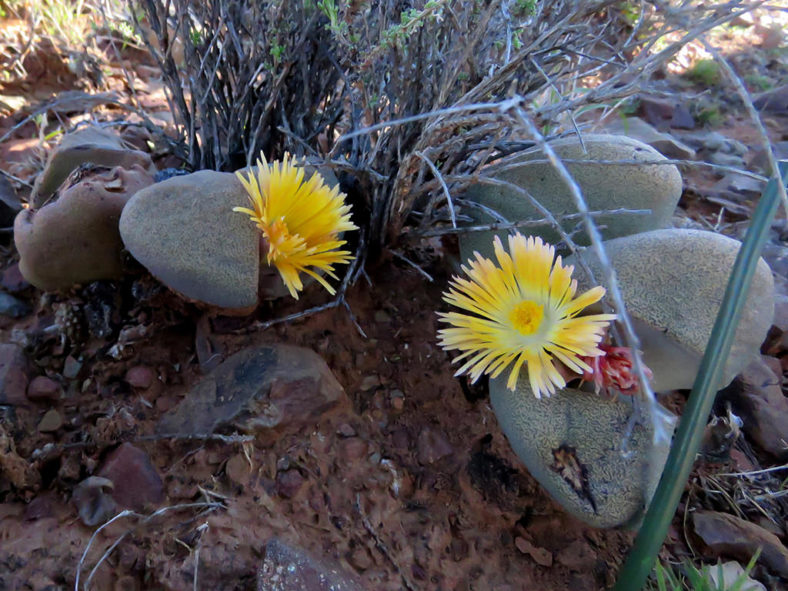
x=301 y=221
x=521 y=312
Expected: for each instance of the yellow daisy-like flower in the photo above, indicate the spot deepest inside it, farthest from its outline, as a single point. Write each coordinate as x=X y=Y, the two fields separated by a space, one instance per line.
x=523 y=310
x=300 y=220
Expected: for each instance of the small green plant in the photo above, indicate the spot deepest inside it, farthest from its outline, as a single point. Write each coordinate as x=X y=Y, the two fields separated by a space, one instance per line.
x=709 y=116
x=705 y=72
x=688 y=577
x=526 y=7
x=758 y=82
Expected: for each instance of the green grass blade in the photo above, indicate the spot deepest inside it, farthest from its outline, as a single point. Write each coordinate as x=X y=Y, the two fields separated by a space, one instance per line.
x=688 y=437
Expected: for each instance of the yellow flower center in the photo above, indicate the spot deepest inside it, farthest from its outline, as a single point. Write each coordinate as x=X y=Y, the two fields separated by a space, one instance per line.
x=526 y=317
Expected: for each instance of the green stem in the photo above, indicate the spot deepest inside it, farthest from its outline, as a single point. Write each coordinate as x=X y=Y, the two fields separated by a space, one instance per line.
x=685 y=446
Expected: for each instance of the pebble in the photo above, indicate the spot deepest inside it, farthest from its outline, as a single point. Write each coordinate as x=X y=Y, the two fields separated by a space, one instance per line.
x=288 y=483
x=140 y=377
x=12 y=280
x=42 y=389
x=51 y=421
x=71 y=368
x=13 y=307
x=541 y=556
x=13 y=375
x=136 y=481
x=238 y=470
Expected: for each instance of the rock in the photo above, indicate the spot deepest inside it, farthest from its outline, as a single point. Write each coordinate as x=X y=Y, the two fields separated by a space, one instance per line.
x=87 y=145
x=13 y=375
x=569 y=443
x=638 y=129
x=44 y=389
x=727 y=535
x=541 y=556
x=757 y=397
x=739 y=187
x=50 y=422
x=726 y=159
x=71 y=368
x=288 y=482
x=13 y=307
x=431 y=446
x=140 y=377
x=12 y=280
x=268 y=387
x=672 y=282
x=726 y=575
x=238 y=470
x=661 y=113
x=773 y=101
x=9 y=203
x=136 y=482
x=75 y=239
x=184 y=230
x=93 y=500
x=654 y=187
x=287 y=568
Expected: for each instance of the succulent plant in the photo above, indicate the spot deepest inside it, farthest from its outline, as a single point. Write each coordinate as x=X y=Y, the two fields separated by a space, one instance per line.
x=672 y=282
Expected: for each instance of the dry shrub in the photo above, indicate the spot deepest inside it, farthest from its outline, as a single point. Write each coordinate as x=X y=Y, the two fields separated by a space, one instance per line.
x=321 y=78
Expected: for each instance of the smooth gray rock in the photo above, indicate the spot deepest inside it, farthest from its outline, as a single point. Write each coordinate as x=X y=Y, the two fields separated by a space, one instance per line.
x=184 y=230
x=570 y=442
x=656 y=187
x=673 y=282
x=665 y=143
x=75 y=239
x=87 y=145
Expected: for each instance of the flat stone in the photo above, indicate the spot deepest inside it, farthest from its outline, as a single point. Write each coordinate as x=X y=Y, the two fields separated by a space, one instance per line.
x=672 y=282
x=184 y=230
x=137 y=484
x=13 y=375
x=569 y=443
x=431 y=446
x=13 y=307
x=75 y=239
x=87 y=145
x=287 y=568
x=773 y=101
x=727 y=535
x=757 y=397
x=656 y=187
x=262 y=388
x=71 y=368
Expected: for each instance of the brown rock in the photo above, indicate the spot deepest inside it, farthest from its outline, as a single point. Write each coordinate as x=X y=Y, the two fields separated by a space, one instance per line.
x=42 y=389
x=238 y=469
x=13 y=375
x=541 y=556
x=140 y=377
x=136 y=482
x=76 y=238
x=287 y=568
x=757 y=397
x=288 y=482
x=431 y=446
x=50 y=422
x=727 y=535
x=262 y=388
